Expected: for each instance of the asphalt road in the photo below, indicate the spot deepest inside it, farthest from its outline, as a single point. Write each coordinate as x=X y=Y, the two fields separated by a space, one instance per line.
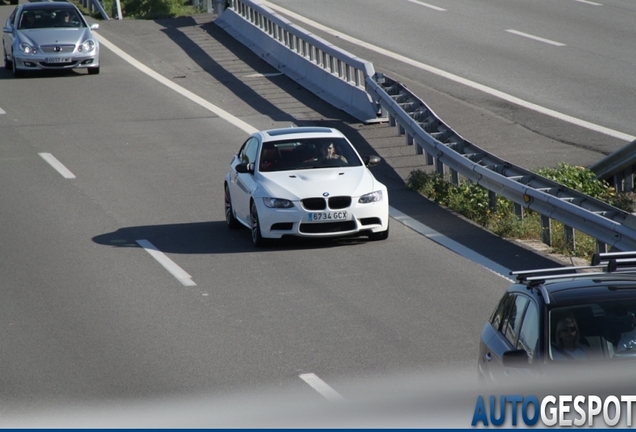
x=87 y=314
x=571 y=57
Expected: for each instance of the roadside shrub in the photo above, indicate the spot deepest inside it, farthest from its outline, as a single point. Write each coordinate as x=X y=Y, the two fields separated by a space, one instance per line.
x=471 y=201
x=585 y=181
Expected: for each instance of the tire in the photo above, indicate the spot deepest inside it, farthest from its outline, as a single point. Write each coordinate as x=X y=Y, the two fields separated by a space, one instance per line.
x=93 y=70
x=14 y=2
x=382 y=235
x=7 y=62
x=257 y=237
x=17 y=73
x=232 y=222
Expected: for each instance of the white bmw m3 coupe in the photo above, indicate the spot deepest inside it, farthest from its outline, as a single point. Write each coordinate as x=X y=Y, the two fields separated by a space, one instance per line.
x=304 y=182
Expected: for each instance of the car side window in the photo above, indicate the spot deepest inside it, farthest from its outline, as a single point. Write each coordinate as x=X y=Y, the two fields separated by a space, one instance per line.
x=512 y=319
x=498 y=314
x=11 y=20
x=529 y=334
x=247 y=154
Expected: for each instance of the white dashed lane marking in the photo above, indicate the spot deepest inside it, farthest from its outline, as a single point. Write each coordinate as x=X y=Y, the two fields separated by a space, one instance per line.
x=57 y=165
x=321 y=387
x=167 y=263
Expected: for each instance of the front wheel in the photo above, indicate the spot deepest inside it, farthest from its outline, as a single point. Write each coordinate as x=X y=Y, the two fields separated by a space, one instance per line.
x=257 y=237
x=17 y=73
x=232 y=222
x=7 y=62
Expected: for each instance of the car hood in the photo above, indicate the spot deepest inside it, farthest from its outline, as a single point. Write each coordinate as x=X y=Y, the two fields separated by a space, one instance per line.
x=295 y=185
x=61 y=36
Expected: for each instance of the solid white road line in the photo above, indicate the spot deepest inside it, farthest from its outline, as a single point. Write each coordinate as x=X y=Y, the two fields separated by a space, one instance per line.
x=57 y=165
x=2 y=111
x=589 y=2
x=457 y=79
x=537 y=38
x=449 y=244
x=167 y=263
x=439 y=9
x=321 y=387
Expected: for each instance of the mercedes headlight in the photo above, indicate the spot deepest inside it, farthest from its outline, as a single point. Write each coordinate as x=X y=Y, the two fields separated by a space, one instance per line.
x=277 y=203
x=371 y=197
x=27 y=48
x=87 y=46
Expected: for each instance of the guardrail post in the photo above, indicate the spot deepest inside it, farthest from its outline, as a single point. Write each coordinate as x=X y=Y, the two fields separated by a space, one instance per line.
x=492 y=201
x=628 y=177
x=518 y=208
x=546 y=230
x=601 y=247
x=439 y=167
x=454 y=177
x=568 y=237
x=429 y=159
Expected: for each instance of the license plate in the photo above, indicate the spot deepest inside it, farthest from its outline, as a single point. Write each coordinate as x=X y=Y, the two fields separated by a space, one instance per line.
x=58 y=60
x=328 y=216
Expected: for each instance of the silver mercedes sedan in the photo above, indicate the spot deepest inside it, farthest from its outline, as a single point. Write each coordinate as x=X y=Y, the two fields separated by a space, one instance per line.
x=49 y=35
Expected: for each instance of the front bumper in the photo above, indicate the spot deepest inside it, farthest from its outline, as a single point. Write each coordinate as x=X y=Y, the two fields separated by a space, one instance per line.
x=361 y=219
x=39 y=62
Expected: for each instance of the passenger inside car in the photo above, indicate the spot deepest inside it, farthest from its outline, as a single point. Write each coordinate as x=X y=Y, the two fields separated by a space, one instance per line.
x=567 y=341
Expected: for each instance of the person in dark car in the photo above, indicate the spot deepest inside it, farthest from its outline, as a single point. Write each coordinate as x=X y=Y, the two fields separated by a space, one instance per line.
x=567 y=344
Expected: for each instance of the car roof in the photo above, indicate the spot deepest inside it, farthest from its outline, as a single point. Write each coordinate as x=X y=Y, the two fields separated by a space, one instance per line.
x=47 y=5
x=300 y=132
x=610 y=276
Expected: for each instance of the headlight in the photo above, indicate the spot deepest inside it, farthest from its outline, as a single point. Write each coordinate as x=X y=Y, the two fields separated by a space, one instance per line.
x=371 y=197
x=87 y=46
x=277 y=203
x=27 y=49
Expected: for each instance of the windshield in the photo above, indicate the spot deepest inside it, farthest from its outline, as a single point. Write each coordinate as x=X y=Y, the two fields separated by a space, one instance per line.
x=307 y=154
x=50 y=18
x=603 y=329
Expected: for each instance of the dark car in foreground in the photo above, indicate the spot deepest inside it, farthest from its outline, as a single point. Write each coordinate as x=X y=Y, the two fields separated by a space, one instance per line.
x=49 y=36
x=559 y=317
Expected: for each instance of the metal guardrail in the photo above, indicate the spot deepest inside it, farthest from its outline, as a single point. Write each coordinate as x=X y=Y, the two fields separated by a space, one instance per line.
x=444 y=147
x=326 y=70
x=618 y=168
x=441 y=144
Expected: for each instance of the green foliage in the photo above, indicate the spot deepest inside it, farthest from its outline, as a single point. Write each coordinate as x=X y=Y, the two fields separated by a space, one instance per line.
x=150 y=9
x=585 y=181
x=156 y=9
x=471 y=201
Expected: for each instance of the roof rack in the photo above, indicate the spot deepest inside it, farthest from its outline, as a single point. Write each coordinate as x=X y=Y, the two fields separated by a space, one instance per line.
x=605 y=262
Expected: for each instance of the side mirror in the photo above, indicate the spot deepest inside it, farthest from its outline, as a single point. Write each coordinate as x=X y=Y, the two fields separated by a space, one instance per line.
x=371 y=160
x=7 y=29
x=516 y=359
x=243 y=168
